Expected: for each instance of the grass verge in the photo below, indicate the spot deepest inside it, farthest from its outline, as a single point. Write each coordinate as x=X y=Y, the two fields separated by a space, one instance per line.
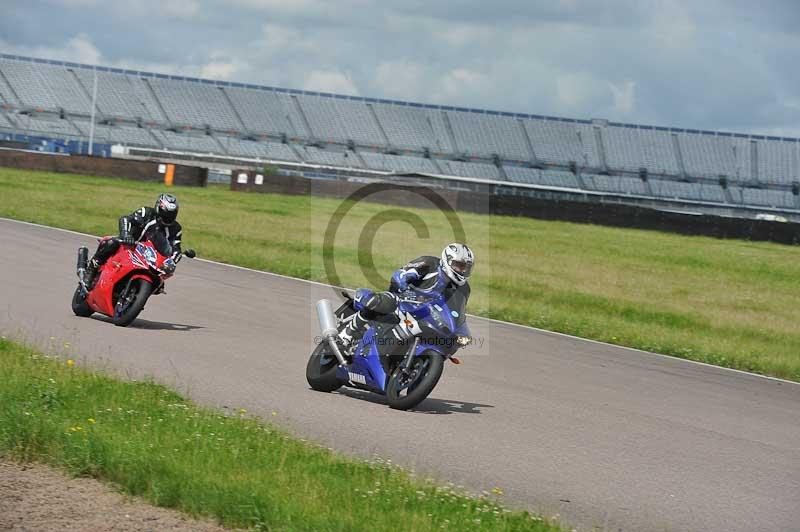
x=726 y=302
x=153 y=443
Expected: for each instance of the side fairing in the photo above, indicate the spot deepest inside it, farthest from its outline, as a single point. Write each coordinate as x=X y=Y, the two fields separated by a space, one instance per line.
x=101 y=298
x=366 y=364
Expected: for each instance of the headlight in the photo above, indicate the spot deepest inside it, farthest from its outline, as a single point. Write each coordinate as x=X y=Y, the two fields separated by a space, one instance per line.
x=169 y=266
x=463 y=341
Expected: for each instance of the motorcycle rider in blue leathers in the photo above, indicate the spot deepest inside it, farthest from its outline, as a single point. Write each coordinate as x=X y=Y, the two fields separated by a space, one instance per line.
x=448 y=275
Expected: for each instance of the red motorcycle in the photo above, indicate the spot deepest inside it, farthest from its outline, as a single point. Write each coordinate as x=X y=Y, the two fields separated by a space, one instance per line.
x=125 y=282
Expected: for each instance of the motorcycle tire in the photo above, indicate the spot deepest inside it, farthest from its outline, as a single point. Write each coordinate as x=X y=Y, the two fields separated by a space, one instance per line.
x=321 y=370
x=404 y=391
x=79 y=305
x=141 y=290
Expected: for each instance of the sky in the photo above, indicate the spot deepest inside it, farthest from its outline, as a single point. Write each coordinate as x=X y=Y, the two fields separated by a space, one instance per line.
x=709 y=64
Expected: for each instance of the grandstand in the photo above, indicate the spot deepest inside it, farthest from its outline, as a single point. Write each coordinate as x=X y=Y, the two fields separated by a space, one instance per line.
x=175 y=114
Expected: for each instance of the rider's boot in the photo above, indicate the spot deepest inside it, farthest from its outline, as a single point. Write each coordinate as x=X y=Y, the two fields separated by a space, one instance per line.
x=353 y=331
x=91 y=273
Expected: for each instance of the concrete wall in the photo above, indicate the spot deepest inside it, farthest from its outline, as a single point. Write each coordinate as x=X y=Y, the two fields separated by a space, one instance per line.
x=615 y=215
x=104 y=167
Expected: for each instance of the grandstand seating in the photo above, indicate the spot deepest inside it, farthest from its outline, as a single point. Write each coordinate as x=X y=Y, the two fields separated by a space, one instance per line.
x=257 y=149
x=125 y=135
x=481 y=170
x=187 y=141
x=121 y=96
x=632 y=148
x=489 y=134
x=399 y=163
x=47 y=126
x=556 y=141
x=778 y=160
x=52 y=98
x=619 y=184
x=414 y=128
x=708 y=155
x=27 y=83
x=767 y=198
x=267 y=112
x=534 y=176
x=195 y=104
x=315 y=155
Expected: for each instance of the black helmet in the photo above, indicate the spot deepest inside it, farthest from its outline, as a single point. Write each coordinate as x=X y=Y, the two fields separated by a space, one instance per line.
x=166 y=209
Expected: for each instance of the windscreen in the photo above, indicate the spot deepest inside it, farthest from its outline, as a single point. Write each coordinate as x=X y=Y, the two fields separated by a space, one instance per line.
x=160 y=242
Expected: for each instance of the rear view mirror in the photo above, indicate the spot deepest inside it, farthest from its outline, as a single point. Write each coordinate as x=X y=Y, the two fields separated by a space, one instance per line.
x=190 y=253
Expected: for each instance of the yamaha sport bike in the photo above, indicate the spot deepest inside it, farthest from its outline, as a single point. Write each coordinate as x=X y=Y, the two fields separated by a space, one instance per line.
x=126 y=281
x=401 y=358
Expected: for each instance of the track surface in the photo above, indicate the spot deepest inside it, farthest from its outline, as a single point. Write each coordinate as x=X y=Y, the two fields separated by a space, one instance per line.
x=606 y=437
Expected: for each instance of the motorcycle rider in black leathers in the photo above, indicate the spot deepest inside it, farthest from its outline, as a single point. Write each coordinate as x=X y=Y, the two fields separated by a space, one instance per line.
x=137 y=226
x=448 y=275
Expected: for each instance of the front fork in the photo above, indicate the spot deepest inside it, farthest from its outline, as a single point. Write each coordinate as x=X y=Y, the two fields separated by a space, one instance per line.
x=412 y=352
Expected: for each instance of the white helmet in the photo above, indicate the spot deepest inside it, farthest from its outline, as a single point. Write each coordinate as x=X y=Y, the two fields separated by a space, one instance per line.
x=457 y=260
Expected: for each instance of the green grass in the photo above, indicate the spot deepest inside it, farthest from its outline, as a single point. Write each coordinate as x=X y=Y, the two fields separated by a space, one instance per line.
x=151 y=442
x=726 y=302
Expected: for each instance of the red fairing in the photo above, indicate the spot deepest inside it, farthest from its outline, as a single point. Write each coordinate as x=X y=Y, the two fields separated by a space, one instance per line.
x=138 y=261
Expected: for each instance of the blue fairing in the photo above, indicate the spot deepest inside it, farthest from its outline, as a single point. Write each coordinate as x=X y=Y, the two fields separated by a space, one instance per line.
x=432 y=319
x=366 y=362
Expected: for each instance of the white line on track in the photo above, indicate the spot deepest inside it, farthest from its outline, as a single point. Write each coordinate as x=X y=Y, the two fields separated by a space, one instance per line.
x=491 y=320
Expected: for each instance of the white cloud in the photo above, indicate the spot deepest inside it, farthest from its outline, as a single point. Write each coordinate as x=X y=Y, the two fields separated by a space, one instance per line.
x=400 y=80
x=281 y=6
x=624 y=97
x=78 y=48
x=75 y=3
x=330 y=81
x=179 y=8
x=458 y=81
x=275 y=36
x=669 y=62
x=276 y=39
x=224 y=70
x=459 y=35
x=573 y=89
x=672 y=24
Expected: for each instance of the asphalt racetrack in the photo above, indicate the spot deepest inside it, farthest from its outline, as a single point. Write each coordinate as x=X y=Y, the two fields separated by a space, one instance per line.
x=606 y=437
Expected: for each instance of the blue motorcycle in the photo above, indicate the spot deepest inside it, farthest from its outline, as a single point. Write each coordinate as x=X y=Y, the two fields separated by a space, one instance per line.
x=401 y=356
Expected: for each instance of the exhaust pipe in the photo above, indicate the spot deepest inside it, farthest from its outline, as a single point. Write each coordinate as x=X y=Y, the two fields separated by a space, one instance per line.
x=328 y=328
x=83 y=262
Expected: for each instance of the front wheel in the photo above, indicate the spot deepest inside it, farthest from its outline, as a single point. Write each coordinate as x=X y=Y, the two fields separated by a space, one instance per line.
x=79 y=305
x=409 y=387
x=322 y=368
x=131 y=302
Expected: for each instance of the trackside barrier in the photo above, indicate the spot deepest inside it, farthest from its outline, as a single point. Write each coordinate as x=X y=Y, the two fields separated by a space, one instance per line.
x=151 y=171
x=590 y=212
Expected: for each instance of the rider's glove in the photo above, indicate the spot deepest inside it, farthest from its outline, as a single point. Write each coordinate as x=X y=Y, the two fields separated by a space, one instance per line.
x=125 y=231
x=365 y=299
x=402 y=277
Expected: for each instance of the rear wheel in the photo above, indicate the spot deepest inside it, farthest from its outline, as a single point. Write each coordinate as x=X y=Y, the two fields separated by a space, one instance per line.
x=409 y=387
x=322 y=368
x=131 y=302
x=79 y=305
